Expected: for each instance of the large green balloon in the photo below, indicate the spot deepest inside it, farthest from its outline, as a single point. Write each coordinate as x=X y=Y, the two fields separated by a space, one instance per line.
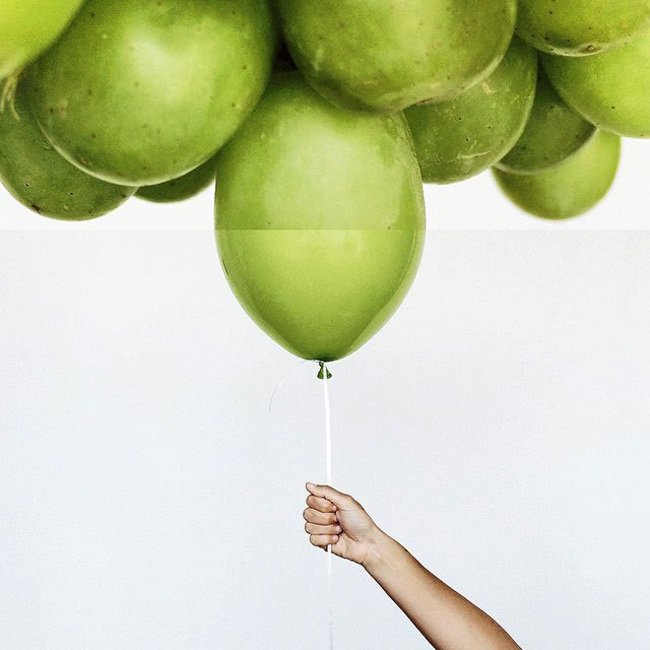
x=553 y=132
x=466 y=135
x=36 y=175
x=611 y=90
x=182 y=188
x=27 y=27
x=143 y=91
x=571 y=188
x=389 y=55
x=580 y=27
x=319 y=219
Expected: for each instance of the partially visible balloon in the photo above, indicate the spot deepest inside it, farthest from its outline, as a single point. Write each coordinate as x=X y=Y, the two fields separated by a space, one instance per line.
x=42 y=180
x=580 y=27
x=319 y=219
x=27 y=27
x=462 y=137
x=182 y=188
x=553 y=132
x=389 y=55
x=571 y=188
x=611 y=90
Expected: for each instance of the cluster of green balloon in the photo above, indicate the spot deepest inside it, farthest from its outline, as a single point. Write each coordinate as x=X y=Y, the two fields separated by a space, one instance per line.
x=319 y=207
x=593 y=88
x=166 y=85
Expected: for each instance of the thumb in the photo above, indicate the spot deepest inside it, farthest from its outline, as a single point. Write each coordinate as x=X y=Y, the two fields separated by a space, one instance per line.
x=339 y=499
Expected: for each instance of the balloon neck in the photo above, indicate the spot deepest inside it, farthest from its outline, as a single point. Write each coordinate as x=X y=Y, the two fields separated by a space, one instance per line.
x=323 y=373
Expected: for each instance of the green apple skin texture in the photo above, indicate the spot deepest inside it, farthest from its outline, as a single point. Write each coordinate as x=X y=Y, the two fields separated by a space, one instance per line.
x=611 y=90
x=460 y=138
x=37 y=176
x=389 y=55
x=140 y=92
x=319 y=219
x=580 y=27
x=182 y=188
x=554 y=131
x=27 y=27
x=571 y=188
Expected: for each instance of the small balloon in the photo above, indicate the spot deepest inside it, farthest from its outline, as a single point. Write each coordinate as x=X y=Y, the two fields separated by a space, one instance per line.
x=42 y=180
x=462 y=137
x=580 y=27
x=139 y=93
x=610 y=90
x=571 y=188
x=379 y=55
x=553 y=132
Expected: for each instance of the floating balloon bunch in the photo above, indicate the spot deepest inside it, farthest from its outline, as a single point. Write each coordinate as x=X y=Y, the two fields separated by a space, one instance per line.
x=320 y=119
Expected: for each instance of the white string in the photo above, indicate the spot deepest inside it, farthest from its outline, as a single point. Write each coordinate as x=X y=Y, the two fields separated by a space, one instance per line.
x=283 y=381
x=328 y=464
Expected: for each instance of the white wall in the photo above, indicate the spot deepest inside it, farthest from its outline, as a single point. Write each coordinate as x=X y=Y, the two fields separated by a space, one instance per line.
x=498 y=426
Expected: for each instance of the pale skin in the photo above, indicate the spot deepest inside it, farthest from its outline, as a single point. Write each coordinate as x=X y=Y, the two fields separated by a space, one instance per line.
x=446 y=619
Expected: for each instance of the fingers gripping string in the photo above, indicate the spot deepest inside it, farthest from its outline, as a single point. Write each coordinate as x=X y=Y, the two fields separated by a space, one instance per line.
x=326 y=375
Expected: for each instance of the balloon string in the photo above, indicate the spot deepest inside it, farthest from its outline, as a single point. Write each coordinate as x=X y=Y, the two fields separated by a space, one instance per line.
x=325 y=375
x=284 y=380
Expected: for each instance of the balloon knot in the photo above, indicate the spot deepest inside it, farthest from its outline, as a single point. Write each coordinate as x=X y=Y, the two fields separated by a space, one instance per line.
x=324 y=373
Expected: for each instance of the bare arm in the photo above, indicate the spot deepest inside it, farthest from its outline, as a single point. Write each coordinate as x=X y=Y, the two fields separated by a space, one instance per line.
x=445 y=618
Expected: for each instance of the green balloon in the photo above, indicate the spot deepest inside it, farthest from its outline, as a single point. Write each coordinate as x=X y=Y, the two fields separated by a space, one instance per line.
x=571 y=188
x=27 y=27
x=37 y=176
x=611 y=90
x=580 y=27
x=325 y=248
x=462 y=137
x=553 y=132
x=182 y=188
x=389 y=55
x=143 y=92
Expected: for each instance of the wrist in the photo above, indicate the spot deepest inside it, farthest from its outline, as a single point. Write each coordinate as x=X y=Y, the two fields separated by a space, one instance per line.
x=379 y=549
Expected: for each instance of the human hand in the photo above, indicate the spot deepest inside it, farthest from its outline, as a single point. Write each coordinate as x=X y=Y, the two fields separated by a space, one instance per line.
x=336 y=519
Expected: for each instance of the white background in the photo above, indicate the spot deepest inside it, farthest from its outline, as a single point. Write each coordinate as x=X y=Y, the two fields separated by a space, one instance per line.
x=498 y=426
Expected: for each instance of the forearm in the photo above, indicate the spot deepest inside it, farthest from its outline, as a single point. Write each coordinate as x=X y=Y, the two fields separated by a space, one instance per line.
x=446 y=619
